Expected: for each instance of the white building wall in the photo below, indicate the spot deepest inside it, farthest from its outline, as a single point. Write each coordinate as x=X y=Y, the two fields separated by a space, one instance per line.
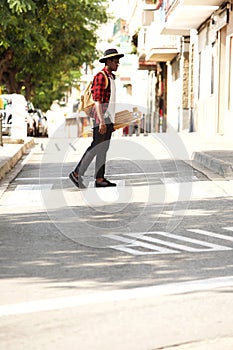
x=213 y=108
x=228 y=125
x=206 y=99
x=174 y=101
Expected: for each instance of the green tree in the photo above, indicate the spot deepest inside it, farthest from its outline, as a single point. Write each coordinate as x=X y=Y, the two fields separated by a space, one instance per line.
x=41 y=41
x=19 y=6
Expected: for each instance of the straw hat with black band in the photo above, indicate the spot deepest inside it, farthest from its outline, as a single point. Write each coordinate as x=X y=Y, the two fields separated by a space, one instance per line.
x=109 y=54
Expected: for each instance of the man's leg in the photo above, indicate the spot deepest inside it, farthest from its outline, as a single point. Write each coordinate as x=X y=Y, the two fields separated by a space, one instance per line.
x=98 y=148
x=76 y=175
x=102 y=152
x=89 y=154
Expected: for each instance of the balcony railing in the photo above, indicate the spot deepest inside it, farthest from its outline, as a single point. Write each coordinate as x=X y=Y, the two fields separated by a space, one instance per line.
x=172 y=4
x=180 y=16
x=150 y=39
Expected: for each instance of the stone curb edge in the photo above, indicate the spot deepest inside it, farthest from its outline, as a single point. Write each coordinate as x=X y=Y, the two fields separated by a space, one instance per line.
x=218 y=166
x=11 y=162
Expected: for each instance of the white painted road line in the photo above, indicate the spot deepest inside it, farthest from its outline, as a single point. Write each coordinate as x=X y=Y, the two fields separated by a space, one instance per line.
x=129 y=249
x=228 y=228
x=212 y=234
x=28 y=194
x=138 y=240
x=178 y=179
x=115 y=296
x=186 y=248
x=40 y=178
x=118 y=175
x=136 y=243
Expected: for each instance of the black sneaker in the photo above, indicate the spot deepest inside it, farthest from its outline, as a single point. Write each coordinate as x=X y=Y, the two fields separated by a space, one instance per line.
x=77 y=180
x=104 y=183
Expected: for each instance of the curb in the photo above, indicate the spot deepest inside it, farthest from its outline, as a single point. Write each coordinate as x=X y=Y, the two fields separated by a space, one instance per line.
x=218 y=166
x=6 y=166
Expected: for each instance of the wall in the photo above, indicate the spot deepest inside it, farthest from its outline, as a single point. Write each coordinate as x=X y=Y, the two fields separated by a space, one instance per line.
x=206 y=96
x=174 y=96
x=228 y=125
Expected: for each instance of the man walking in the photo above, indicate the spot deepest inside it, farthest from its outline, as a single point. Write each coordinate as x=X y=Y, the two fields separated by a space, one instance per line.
x=103 y=114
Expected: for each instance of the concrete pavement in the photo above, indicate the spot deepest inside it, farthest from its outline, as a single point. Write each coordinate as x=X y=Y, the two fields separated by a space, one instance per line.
x=212 y=154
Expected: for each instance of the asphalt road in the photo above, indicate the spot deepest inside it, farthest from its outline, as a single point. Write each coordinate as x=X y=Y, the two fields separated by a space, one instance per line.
x=147 y=265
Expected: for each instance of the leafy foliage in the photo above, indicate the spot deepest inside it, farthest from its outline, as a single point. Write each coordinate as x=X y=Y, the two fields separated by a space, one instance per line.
x=42 y=41
x=19 y=6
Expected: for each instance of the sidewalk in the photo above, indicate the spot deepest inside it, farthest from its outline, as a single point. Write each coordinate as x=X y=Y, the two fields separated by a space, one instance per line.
x=11 y=152
x=213 y=154
x=210 y=154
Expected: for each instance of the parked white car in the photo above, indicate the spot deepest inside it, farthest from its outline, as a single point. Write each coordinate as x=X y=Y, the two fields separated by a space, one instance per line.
x=37 y=122
x=15 y=116
x=40 y=123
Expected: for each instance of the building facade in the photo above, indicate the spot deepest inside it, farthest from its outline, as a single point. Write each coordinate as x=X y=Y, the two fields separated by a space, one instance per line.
x=187 y=48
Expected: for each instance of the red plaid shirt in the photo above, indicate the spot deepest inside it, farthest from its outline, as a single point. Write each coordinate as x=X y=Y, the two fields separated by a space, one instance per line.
x=99 y=93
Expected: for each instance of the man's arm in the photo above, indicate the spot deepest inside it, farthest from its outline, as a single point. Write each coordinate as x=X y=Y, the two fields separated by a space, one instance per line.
x=99 y=111
x=98 y=91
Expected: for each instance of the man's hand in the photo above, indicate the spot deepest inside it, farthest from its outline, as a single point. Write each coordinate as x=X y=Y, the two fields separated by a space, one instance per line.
x=102 y=128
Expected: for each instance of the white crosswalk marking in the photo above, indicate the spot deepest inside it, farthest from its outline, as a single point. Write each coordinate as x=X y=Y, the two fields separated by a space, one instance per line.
x=181 y=238
x=212 y=234
x=27 y=194
x=168 y=180
x=137 y=243
x=130 y=244
x=228 y=228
